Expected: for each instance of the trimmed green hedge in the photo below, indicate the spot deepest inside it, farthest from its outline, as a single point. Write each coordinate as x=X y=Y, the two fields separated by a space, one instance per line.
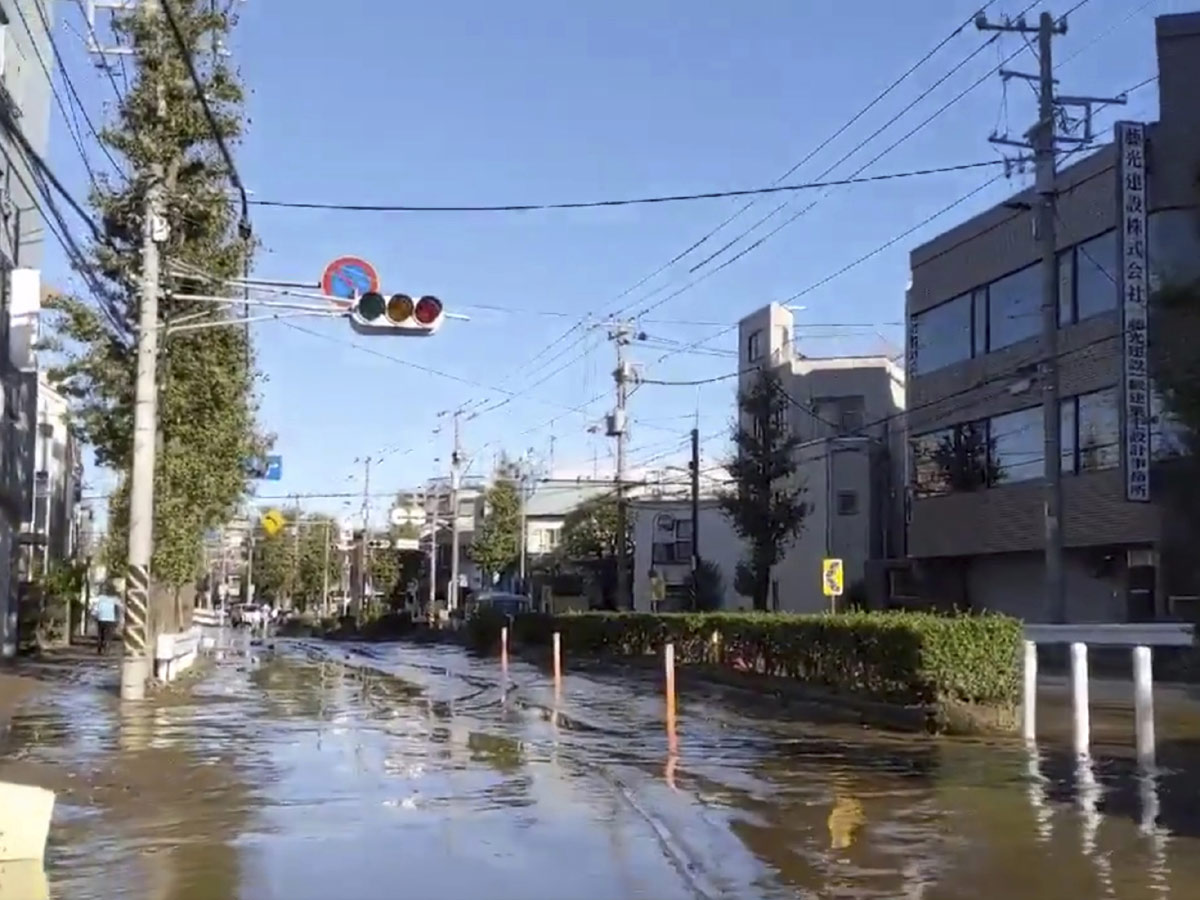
x=899 y=657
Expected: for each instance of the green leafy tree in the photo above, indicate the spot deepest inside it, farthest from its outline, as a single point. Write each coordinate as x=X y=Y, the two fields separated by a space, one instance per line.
x=206 y=400
x=591 y=540
x=766 y=505
x=498 y=543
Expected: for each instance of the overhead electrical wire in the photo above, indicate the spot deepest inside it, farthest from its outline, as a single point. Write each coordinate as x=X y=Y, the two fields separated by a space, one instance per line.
x=712 y=232
x=633 y=201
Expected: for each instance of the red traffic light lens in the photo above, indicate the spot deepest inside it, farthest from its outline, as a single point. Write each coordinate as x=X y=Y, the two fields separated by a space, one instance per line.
x=428 y=309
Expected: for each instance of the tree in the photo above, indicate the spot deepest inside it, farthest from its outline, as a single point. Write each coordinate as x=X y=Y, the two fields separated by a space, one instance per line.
x=765 y=505
x=498 y=543
x=206 y=404
x=591 y=540
x=589 y=531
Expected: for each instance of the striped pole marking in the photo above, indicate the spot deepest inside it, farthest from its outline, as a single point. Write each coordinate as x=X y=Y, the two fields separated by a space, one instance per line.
x=137 y=593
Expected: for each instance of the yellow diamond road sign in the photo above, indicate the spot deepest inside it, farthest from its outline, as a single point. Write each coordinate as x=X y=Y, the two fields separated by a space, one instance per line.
x=273 y=522
x=833 y=577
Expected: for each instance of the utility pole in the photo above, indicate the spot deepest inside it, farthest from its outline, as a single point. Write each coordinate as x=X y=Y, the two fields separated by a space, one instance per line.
x=621 y=334
x=360 y=549
x=295 y=555
x=1043 y=140
x=136 y=667
x=431 y=511
x=325 y=573
x=455 y=477
x=695 y=467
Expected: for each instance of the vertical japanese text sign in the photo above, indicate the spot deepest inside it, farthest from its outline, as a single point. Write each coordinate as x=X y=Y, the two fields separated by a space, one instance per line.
x=1134 y=284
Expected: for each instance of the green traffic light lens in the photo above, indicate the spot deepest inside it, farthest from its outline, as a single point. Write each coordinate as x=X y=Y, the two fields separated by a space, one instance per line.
x=371 y=306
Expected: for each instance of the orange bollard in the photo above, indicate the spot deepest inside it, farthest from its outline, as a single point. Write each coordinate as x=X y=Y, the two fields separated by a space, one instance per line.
x=669 y=670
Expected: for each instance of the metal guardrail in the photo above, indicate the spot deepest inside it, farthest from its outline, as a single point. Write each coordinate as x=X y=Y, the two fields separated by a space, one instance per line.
x=1139 y=637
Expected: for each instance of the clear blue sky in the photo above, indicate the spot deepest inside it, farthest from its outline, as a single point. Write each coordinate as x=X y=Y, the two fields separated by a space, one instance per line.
x=364 y=101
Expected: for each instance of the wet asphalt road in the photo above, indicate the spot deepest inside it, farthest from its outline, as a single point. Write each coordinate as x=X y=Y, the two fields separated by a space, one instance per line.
x=312 y=770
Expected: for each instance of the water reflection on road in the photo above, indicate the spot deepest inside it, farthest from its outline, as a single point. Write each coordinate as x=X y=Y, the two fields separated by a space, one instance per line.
x=317 y=771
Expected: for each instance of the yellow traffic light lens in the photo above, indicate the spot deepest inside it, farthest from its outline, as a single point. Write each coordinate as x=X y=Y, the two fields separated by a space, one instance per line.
x=400 y=308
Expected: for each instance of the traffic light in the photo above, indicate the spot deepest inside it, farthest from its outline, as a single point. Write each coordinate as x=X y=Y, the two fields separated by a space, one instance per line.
x=398 y=315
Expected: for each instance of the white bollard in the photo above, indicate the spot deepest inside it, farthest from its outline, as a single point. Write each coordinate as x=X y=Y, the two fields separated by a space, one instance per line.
x=1079 y=698
x=1143 y=705
x=1029 y=700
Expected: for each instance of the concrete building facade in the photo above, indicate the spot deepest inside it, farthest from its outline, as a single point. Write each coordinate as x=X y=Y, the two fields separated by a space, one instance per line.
x=847 y=414
x=974 y=337
x=25 y=94
x=52 y=527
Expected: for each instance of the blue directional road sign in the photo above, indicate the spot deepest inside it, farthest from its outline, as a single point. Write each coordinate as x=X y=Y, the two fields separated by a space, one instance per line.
x=266 y=468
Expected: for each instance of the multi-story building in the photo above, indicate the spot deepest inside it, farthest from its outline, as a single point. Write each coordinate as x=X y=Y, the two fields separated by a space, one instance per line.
x=52 y=527
x=25 y=94
x=847 y=414
x=974 y=335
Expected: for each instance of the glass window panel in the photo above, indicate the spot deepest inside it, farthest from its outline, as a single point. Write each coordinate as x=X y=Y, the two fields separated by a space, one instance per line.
x=1096 y=276
x=1014 y=308
x=1174 y=236
x=1067 y=430
x=1066 y=287
x=979 y=303
x=930 y=474
x=1168 y=437
x=1099 y=431
x=1017 y=448
x=943 y=335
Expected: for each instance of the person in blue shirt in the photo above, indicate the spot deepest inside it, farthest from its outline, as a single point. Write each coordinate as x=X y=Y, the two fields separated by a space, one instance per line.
x=107 y=606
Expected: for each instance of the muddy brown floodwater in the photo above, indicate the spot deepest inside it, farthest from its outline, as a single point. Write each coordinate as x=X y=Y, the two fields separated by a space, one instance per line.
x=300 y=770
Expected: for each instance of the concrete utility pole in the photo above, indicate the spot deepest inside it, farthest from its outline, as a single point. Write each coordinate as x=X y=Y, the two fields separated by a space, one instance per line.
x=621 y=335
x=325 y=572
x=136 y=667
x=431 y=511
x=695 y=467
x=1043 y=140
x=360 y=549
x=455 y=478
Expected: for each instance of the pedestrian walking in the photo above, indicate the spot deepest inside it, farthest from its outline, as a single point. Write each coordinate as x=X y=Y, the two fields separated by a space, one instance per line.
x=107 y=608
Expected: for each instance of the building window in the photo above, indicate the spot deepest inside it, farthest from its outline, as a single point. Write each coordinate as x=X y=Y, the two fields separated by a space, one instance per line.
x=1066 y=287
x=979 y=331
x=1168 y=437
x=754 y=350
x=847 y=503
x=941 y=335
x=672 y=542
x=1016 y=442
x=1014 y=308
x=1174 y=238
x=950 y=459
x=1096 y=276
x=1099 y=429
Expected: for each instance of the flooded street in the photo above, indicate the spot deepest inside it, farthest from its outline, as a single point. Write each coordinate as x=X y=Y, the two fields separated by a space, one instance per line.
x=329 y=770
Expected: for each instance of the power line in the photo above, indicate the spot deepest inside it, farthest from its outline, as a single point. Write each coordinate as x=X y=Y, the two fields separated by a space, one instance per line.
x=631 y=201
x=711 y=233
x=202 y=95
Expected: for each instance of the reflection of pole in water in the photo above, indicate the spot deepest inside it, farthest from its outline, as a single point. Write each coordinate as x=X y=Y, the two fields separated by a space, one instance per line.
x=1042 y=813
x=1158 y=872
x=1088 y=793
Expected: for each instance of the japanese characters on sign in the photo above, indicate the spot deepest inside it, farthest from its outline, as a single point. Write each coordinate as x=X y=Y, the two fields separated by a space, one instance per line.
x=1135 y=291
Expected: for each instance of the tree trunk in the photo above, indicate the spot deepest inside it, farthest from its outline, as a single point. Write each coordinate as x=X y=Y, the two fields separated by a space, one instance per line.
x=762 y=586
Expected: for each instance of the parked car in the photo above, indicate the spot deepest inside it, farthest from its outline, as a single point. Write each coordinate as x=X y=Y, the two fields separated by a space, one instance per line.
x=501 y=602
x=250 y=615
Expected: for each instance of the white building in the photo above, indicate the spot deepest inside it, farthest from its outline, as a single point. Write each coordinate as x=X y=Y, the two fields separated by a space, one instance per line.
x=51 y=526
x=662 y=536
x=847 y=413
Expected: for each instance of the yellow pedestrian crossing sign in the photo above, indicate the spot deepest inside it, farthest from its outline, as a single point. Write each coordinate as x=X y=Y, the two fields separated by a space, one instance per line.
x=833 y=577
x=273 y=522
